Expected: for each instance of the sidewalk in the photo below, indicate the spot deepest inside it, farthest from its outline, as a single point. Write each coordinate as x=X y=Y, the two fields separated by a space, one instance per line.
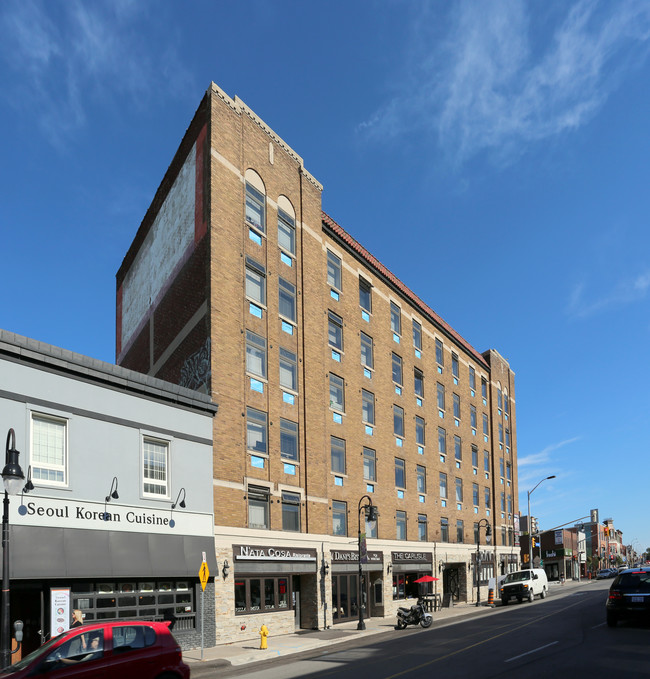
x=245 y=652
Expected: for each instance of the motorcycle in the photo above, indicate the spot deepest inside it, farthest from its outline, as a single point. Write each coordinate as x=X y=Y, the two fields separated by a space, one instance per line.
x=413 y=616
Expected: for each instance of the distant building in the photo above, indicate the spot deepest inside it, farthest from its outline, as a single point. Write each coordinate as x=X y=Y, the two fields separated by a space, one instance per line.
x=336 y=384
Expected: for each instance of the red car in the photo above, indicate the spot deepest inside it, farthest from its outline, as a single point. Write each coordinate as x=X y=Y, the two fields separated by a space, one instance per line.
x=131 y=649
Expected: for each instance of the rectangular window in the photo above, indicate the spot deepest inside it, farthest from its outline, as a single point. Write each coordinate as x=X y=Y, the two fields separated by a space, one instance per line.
x=486 y=492
x=339 y=518
x=367 y=407
x=286 y=232
x=421 y=478
x=418 y=382
x=483 y=387
x=499 y=398
x=335 y=330
x=454 y=365
x=255 y=208
x=155 y=467
x=459 y=490
x=472 y=378
x=508 y=471
x=500 y=433
x=501 y=467
x=460 y=531
x=472 y=416
x=510 y=504
x=503 y=502
x=475 y=494
x=288 y=439
x=337 y=399
x=333 y=271
x=366 y=351
x=400 y=525
x=507 y=438
x=256 y=431
x=441 y=396
x=258 y=507
x=443 y=485
x=419 y=431
x=444 y=529
x=400 y=473
x=422 y=527
x=439 y=353
x=395 y=318
x=417 y=335
x=458 y=448
x=288 y=369
x=397 y=369
x=255 y=281
x=49 y=450
x=485 y=424
x=369 y=465
x=506 y=402
x=398 y=421
x=456 y=406
x=287 y=300
x=365 y=295
x=337 y=447
x=474 y=456
x=255 y=354
x=442 y=441
x=291 y=511
x=486 y=461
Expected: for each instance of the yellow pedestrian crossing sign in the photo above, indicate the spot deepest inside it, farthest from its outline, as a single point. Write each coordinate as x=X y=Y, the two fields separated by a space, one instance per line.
x=204 y=574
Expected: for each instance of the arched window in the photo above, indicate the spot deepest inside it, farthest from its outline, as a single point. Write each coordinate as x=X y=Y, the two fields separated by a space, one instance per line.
x=255 y=201
x=286 y=225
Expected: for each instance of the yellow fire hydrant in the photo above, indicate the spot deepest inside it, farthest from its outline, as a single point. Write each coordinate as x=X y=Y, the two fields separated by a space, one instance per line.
x=264 y=633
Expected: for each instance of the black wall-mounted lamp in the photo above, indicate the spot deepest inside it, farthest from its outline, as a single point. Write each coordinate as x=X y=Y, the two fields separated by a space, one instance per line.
x=181 y=504
x=112 y=493
x=29 y=485
x=325 y=567
x=389 y=568
x=225 y=569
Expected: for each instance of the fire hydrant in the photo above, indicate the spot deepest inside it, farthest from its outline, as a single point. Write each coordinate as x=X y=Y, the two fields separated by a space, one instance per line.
x=264 y=633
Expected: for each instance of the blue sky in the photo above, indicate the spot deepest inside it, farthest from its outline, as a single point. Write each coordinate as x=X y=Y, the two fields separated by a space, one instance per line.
x=493 y=155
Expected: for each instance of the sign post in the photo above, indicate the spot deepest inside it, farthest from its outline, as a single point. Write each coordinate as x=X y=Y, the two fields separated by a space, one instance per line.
x=204 y=574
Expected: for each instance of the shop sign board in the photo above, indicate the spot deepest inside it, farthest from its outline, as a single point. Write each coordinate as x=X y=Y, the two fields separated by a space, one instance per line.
x=265 y=553
x=412 y=557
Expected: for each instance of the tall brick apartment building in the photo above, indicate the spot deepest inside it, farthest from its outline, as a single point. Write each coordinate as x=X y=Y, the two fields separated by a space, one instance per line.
x=334 y=382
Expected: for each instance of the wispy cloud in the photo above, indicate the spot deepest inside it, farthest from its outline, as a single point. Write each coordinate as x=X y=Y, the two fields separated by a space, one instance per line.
x=499 y=79
x=544 y=456
x=583 y=303
x=61 y=58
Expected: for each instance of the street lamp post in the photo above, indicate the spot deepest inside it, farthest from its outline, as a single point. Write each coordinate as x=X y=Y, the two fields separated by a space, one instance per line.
x=488 y=533
x=370 y=512
x=13 y=479
x=530 y=525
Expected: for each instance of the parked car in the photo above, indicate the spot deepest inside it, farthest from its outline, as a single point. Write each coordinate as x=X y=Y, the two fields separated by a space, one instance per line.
x=131 y=649
x=629 y=596
x=605 y=573
x=524 y=584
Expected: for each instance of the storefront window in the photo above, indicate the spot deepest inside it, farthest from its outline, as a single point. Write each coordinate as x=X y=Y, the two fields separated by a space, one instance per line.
x=249 y=599
x=240 y=596
x=283 y=593
x=405 y=587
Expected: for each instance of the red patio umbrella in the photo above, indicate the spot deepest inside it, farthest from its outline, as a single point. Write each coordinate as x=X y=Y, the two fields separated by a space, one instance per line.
x=426 y=578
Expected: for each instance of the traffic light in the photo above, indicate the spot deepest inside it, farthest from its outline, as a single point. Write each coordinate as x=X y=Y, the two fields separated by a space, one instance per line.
x=534 y=542
x=373 y=513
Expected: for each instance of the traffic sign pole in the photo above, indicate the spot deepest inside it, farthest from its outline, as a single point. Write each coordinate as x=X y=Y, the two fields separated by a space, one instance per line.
x=204 y=574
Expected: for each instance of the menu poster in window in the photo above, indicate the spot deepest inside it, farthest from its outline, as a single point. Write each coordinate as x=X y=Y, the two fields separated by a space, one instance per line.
x=59 y=610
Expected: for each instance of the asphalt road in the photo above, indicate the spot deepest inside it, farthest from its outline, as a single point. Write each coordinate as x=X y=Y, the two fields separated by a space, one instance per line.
x=562 y=636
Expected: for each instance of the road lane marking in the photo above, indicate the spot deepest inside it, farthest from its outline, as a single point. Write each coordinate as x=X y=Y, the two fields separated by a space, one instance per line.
x=541 y=648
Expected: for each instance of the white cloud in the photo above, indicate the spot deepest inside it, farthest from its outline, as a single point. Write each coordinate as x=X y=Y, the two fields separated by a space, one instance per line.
x=543 y=457
x=627 y=291
x=494 y=82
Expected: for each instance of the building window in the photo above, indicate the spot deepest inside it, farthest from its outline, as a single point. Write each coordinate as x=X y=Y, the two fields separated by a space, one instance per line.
x=483 y=387
x=287 y=300
x=255 y=208
x=255 y=354
x=486 y=461
x=441 y=396
x=475 y=494
x=255 y=281
x=457 y=406
x=442 y=441
x=256 y=431
x=397 y=369
x=487 y=497
x=395 y=318
x=367 y=407
x=459 y=490
x=417 y=335
x=337 y=448
x=286 y=232
x=501 y=474
x=485 y=424
x=419 y=431
x=339 y=518
x=400 y=473
x=458 y=448
x=499 y=398
x=503 y=502
x=258 y=507
x=472 y=416
x=335 y=331
x=475 y=457
x=444 y=529
x=443 y=485
x=49 y=449
x=454 y=365
x=365 y=295
x=288 y=439
x=155 y=467
x=400 y=525
x=366 y=351
x=506 y=403
x=508 y=471
x=472 y=378
x=421 y=478
x=333 y=271
x=422 y=527
x=369 y=465
x=510 y=504
x=337 y=400
x=371 y=529
x=460 y=531
x=291 y=511
x=288 y=369
x=254 y=595
x=398 y=421
x=507 y=437
x=477 y=536
x=418 y=382
x=439 y=353
x=500 y=433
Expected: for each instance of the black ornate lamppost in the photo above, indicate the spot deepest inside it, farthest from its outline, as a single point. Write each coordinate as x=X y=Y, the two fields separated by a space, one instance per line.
x=488 y=532
x=370 y=514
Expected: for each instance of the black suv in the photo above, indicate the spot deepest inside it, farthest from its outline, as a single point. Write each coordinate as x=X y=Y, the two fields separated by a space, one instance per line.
x=629 y=596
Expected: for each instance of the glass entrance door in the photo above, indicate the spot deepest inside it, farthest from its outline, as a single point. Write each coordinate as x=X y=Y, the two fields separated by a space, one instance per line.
x=345 y=598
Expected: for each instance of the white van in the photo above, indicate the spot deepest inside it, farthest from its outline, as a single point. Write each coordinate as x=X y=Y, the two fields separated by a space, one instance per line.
x=524 y=585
